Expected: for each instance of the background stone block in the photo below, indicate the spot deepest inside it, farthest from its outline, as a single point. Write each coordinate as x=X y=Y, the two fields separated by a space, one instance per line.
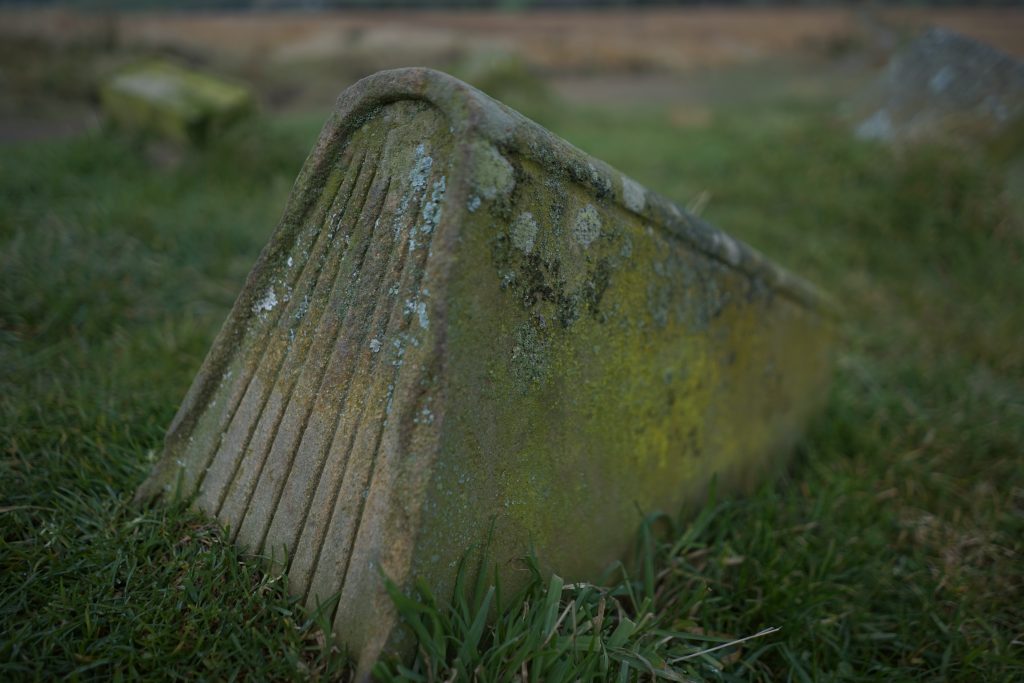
x=163 y=98
x=942 y=83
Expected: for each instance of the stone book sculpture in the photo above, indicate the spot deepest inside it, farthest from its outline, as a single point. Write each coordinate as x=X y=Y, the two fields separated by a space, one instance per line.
x=462 y=323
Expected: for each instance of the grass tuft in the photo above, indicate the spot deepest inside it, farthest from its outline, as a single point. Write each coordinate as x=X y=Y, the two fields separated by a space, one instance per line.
x=553 y=631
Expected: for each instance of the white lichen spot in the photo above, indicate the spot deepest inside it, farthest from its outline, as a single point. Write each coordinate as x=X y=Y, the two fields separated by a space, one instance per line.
x=267 y=303
x=599 y=179
x=419 y=309
x=587 y=226
x=730 y=250
x=494 y=176
x=524 y=232
x=375 y=345
x=634 y=196
x=424 y=417
x=334 y=222
x=291 y=262
x=420 y=168
x=473 y=204
x=418 y=176
x=301 y=309
x=431 y=212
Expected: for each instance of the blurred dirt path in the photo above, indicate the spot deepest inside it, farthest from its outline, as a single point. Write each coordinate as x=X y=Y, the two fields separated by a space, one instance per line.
x=637 y=39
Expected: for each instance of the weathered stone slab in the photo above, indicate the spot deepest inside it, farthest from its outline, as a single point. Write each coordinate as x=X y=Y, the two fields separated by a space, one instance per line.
x=461 y=320
x=942 y=83
x=166 y=99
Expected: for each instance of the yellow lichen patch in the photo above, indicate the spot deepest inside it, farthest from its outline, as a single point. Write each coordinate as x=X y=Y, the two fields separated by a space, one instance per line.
x=605 y=369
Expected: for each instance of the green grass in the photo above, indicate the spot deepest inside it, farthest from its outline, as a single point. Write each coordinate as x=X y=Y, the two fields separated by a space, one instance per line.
x=890 y=550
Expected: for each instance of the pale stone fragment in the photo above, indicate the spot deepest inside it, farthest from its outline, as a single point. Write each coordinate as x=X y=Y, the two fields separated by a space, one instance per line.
x=942 y=83
x=166 y=99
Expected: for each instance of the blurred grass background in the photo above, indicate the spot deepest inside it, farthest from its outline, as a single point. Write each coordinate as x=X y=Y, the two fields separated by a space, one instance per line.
x=891 y=549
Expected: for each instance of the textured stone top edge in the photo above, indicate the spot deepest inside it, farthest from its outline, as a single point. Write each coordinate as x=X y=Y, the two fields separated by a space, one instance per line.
x=471 y=111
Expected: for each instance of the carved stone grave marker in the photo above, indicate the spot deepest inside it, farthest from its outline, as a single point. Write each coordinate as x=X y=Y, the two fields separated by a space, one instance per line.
x=463 y=320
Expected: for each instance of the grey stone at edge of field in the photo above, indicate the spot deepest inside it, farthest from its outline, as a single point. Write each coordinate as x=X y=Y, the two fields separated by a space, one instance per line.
x=941 y=83
x=164 y=99
x=465 y=324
